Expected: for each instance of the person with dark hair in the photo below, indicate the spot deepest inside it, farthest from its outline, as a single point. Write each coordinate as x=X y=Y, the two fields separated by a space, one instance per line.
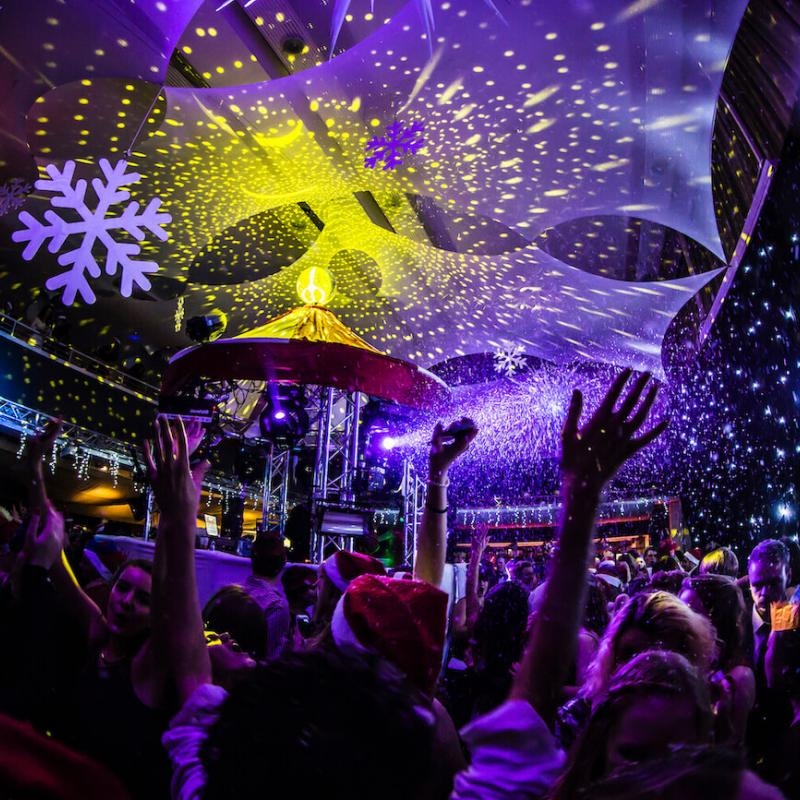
x=719 y=598
x=328 y=723
x=668 y=581
x=113 y=708
x=720 y=561
x=768 y=574
x=498 y=641
x=313 y=724
x=233 y=611
x=268 y=559
x=300 y=587
x=782 y=674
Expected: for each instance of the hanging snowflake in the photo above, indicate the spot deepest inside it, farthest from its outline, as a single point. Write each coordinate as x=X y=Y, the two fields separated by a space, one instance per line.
x=509 y=360
x=397 y=142
x=13 y=194
x=94 y=227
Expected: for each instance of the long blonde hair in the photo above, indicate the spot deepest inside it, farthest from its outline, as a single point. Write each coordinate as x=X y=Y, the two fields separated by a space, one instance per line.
x=666 y=623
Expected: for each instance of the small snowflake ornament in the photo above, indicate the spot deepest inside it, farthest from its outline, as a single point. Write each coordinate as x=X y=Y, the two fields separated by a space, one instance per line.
x=509 y=360
x=13 y=194
x=95 y=227
x=397 y=142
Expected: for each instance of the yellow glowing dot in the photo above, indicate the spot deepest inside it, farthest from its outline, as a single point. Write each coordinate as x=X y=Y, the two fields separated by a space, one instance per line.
x=187 y=49
x=85 y=82
x=83 y=101
x=314 y=105
x=212 y=31
x=369 y=17
x=551 y=36
x=78 y=117
x=280 y=17
x=122 y=42
x=603 y=48
x=238 y=64
x=315 y=286
x=477 y=68
x=200 y=31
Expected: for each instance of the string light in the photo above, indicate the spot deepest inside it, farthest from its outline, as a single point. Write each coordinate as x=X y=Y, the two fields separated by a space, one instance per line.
x=23 y=441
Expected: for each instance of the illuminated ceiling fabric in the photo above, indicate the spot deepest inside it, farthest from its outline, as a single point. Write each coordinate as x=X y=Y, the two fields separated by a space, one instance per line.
x=561 y=111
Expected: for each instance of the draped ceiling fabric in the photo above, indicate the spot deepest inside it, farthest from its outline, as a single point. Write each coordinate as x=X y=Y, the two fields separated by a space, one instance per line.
x=552 y=113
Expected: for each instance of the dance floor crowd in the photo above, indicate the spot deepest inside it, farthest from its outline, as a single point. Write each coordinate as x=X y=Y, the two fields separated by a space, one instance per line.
x=600 y=674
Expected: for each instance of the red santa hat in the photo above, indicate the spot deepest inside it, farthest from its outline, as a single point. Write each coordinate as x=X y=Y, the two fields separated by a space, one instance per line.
x=343 y=567
x=403 y=621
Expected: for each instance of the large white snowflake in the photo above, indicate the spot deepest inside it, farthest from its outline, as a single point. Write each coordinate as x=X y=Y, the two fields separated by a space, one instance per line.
x=95 y=227
x=13 y=194
x=397 y=142
x=509 y=360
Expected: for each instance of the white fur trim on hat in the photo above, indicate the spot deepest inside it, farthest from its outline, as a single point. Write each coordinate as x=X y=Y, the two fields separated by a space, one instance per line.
x=342 y=633
x=331 y=569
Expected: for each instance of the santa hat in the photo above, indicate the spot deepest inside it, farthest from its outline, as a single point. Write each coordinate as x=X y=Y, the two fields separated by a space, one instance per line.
x=403 y=621
x=343 y=567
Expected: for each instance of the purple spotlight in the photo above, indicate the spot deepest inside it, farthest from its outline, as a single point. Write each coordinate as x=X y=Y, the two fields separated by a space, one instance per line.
x=279 y=415
x=387 y=443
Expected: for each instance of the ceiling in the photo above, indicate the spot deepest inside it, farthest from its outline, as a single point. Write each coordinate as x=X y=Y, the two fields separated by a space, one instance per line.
x=564 y=180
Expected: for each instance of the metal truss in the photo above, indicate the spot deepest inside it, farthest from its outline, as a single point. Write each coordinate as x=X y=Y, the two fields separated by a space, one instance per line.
x=275 y=498
x=413 y=491
x=335 y=461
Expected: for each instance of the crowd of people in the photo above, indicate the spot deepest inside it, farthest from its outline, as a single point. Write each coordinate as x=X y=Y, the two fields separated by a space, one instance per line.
x=611 y=675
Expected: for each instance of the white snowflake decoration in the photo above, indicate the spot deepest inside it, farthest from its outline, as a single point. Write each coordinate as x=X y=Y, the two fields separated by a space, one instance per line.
x=13 y=194
x=509 y=360
x=95 y=228
x=397 y=142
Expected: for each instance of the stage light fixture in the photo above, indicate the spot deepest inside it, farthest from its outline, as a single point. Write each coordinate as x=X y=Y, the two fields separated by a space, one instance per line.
x=284 y=419
x=207 y=328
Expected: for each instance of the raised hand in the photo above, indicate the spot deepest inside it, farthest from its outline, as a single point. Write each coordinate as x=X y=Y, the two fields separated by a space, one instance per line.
x=480 y=537
x=593 y=454
x=44 y=537
x=448 y=444
x=175 y=486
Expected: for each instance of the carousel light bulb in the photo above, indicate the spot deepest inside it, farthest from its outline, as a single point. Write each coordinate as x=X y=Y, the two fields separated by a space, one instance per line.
x=315 y=286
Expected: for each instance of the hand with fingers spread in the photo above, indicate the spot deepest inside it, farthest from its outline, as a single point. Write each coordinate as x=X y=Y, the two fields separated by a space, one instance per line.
x=175 y=485
x=448 y=444
x=593 y=454
x=44 y=537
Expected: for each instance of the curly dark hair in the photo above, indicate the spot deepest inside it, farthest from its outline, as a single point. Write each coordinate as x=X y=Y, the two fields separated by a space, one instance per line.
x=319 y=724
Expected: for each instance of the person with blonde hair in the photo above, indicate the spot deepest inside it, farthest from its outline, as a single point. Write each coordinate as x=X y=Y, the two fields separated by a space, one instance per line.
x=655 y=701
x=651 y=620
x=721 y=561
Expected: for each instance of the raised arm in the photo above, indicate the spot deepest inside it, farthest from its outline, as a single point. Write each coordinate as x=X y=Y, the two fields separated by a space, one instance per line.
x=479 y=538
x=44 y=548
x=177 y=620
x=446 y=446
x=589 y=458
